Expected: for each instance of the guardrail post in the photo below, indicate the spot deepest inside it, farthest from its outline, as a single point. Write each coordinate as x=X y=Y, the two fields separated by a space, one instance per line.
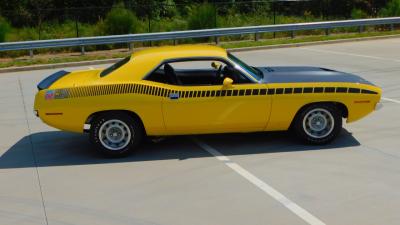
x=31 y=53
x=131 y=45
x=175 y=42
x=292 y=34
x=392 y=27
x=216 y=40
x=327 y=31
x=82 y=50
x=360 y=29
x=256 y=36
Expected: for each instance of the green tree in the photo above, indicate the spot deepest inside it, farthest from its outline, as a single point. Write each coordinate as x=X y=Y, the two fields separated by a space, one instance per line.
x=120 y=21
x=4 y=28
x=358 y=14
x=168 y=9
x=391 y=9
x=202 y=17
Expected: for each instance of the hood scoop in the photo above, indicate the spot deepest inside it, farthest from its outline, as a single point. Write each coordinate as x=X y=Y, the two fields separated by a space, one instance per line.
x=329 y=70
x=269 y=69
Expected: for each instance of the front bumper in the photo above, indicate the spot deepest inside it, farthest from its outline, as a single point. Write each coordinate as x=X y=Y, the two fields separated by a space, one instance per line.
x=378 y=106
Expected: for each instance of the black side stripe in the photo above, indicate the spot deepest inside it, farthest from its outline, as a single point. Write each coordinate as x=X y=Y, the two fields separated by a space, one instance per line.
x=248 y=92
x=271 y=91
x=235 y=93
x=363 y=91
x=329 y=90
x=354 y=90
x=298 y=90
x=98 y=90
x=341 y=90
x=308 y=90
x=279 y=91
x=288 y=90
x=318 y=89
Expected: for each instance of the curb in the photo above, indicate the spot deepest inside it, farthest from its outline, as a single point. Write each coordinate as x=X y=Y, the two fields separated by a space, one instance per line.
x=58 y=65
x=108 y=61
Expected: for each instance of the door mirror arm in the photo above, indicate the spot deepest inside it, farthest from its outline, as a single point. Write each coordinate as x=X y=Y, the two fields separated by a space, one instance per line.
x=216 y=65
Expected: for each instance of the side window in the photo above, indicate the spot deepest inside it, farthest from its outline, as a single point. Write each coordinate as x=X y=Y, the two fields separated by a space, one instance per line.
x=196 y=73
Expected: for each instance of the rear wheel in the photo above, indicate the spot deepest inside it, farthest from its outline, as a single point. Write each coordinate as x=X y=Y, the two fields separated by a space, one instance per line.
x=116 y=134
x=318 y=123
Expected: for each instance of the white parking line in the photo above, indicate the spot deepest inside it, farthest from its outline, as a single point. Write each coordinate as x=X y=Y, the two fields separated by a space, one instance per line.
x=296 y=209
x=351 y=54
x=391 y=100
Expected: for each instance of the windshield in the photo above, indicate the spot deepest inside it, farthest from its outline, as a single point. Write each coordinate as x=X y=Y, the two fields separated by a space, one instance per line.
x=250 y=70
x=117 y=65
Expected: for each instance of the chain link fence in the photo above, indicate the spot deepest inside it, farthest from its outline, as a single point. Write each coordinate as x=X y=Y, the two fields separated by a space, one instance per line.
x=49 y=23
x=136 y=16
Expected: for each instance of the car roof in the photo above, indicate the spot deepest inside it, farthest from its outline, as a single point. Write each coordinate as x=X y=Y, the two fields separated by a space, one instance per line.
x=143 y=61
x=181 y=51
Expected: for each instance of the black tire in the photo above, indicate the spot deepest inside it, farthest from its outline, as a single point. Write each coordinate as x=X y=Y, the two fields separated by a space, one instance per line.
x=123 y=126
x=305 y=128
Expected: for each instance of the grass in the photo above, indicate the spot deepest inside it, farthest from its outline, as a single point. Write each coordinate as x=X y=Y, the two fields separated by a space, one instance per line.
x=97 y=55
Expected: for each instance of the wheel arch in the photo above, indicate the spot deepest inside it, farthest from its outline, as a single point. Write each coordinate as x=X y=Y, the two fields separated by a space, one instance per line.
x=341 y=106
x=92 y=116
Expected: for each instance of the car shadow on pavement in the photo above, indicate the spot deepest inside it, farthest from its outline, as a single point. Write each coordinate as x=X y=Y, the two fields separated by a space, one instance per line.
x=57 y=148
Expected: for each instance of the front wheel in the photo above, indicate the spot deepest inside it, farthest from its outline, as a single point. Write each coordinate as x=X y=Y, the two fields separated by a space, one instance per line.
x=115 y=134
x=318 y=123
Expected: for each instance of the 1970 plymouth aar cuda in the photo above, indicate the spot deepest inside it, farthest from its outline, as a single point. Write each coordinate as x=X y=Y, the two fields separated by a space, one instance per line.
x=197 y=89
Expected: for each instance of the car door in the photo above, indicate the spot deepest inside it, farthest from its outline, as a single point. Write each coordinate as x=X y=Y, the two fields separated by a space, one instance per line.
x=214 y=108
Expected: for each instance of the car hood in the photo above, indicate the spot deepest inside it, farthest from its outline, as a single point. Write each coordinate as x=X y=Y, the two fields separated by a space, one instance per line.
x=303 y=74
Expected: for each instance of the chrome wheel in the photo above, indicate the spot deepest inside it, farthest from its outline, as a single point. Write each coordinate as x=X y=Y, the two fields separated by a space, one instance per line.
x=318 y=123
x=115 y=134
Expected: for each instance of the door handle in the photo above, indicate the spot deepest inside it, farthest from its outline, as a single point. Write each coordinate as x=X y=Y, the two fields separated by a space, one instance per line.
x=174 y=96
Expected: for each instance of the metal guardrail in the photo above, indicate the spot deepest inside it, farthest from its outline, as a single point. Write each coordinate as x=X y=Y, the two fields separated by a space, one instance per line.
x=131 y=38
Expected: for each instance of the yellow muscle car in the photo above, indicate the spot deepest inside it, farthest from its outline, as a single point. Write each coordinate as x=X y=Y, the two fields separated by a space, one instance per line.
x=196 y=89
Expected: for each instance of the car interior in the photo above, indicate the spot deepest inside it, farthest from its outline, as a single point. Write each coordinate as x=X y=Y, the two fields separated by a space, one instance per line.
x=189 y=74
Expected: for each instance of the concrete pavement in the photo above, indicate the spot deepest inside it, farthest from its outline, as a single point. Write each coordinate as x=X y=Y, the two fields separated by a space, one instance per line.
x=53 y=177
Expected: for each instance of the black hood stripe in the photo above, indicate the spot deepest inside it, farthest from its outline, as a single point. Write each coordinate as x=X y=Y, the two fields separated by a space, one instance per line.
x=307 y=75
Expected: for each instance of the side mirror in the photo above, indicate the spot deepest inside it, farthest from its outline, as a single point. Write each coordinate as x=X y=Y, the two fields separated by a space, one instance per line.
x=228 y=82
x=216 y=65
